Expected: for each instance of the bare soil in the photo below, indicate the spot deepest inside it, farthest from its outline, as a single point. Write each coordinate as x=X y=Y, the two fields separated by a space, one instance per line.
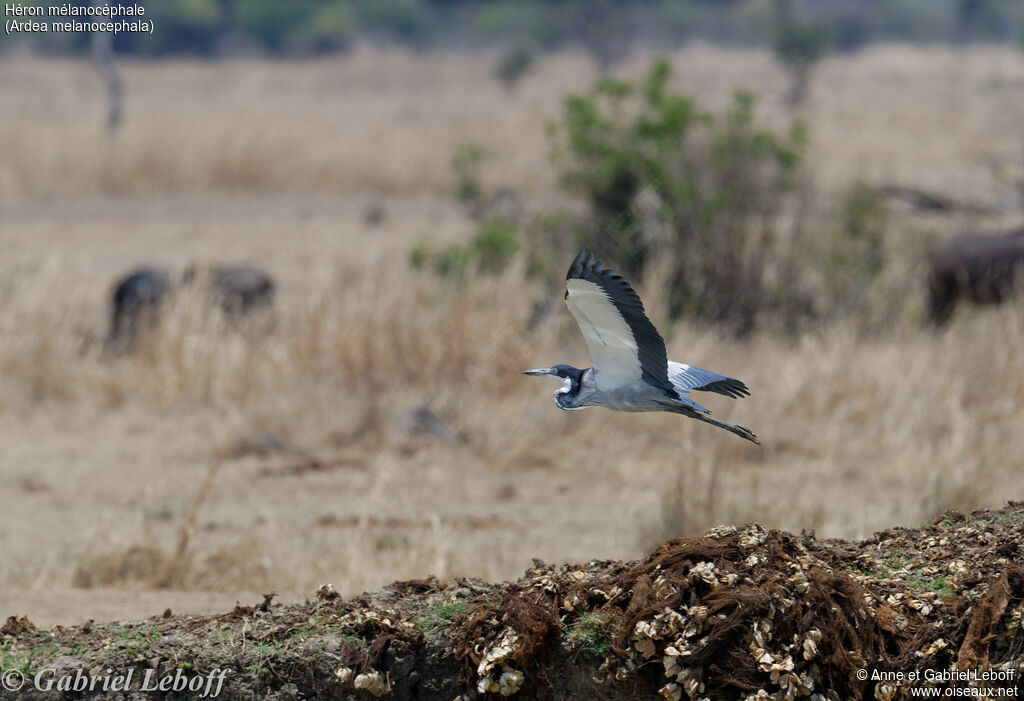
x=737 y=613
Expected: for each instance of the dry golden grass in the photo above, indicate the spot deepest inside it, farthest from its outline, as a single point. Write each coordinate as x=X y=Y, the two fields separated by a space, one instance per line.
x=389 y=122
x=320 y=473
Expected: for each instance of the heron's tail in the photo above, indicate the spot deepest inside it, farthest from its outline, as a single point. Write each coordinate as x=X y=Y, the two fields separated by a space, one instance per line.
x=685 y=410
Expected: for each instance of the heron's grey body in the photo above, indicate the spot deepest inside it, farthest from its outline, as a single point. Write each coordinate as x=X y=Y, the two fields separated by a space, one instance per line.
x=632 y=397
x=636 y=396
x=631 y=370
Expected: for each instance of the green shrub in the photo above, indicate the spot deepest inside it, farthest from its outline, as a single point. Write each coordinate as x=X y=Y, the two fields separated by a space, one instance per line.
x=466 y=161
x=495 y=245
x=664 y=177
x=715 y=203
x=496 y=241
x=854 y=253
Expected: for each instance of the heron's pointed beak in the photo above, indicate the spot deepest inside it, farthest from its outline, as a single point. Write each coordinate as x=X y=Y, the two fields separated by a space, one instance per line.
x=539 y=371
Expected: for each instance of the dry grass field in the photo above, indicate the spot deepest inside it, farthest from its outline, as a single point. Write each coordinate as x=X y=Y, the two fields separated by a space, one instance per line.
x=218 y=461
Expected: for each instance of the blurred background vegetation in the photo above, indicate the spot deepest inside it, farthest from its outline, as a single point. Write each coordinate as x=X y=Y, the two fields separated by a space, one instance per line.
x=607 y=28
x=415 y=175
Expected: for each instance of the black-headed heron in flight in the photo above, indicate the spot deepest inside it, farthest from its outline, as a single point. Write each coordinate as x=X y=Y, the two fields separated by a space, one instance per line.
x=631 y=370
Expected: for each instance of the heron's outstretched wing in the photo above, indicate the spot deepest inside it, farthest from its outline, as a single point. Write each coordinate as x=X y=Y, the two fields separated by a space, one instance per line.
x=686 y=377
x=624 y=345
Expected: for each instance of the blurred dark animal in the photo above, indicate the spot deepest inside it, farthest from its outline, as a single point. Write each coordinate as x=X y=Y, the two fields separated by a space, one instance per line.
x=239 y=291
x=135 y=301
x=976 y=267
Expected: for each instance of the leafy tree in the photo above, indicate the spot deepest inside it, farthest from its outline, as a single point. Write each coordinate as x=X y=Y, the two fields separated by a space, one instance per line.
x=799 y=45
x=407 y=21
x=605 y=31
x=270 y=23
x=185 y=26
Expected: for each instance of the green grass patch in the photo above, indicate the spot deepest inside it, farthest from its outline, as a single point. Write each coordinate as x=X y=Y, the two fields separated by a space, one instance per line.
x=939 y=585
x=134 y=640
x=262 y=649
x=441 y=614
x=896 y=562
x=303 y=633
x=8 y=658
x=28 y=661
x=353 y=639
x=592 y=633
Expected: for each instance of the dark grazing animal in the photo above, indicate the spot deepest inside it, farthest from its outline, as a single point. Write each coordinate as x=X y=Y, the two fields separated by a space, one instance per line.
x=981 y=268
x=136 y=299
x=238 y=290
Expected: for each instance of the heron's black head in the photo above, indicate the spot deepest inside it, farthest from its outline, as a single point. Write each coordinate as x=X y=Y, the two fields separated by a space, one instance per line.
x=570 y=376
x=565 y=372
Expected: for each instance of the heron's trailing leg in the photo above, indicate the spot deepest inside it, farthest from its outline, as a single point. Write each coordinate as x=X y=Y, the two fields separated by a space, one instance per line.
x=741 y=431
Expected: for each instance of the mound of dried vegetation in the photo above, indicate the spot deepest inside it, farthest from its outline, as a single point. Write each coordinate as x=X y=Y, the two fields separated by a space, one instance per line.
x=740 y=613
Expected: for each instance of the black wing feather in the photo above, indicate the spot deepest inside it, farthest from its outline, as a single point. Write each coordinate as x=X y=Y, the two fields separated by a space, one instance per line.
x=734 y=389
x=650 y=344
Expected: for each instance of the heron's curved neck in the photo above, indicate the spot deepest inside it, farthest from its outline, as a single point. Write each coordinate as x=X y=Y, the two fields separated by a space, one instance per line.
x=576 y=388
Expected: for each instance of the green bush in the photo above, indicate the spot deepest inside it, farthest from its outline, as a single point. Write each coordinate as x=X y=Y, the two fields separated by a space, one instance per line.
x=495 y=245
x=492 y=248
x=854 y=254
x=496 y=242
x=664 y=177
x=714 y=203
x=466 y=162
